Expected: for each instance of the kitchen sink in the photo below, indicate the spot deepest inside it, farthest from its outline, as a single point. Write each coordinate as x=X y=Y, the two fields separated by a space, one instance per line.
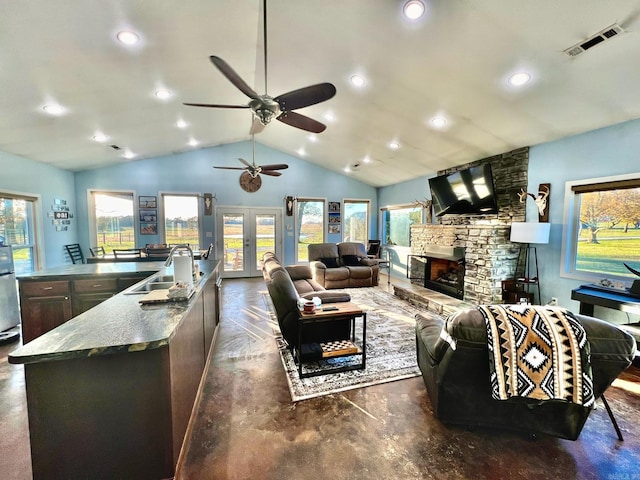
x=150 y=286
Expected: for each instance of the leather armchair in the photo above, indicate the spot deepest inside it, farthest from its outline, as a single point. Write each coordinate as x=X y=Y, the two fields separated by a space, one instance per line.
x=342 y=265
x=458 y=385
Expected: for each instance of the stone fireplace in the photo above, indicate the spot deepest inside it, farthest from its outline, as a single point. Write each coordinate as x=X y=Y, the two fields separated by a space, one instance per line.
x=488 y=257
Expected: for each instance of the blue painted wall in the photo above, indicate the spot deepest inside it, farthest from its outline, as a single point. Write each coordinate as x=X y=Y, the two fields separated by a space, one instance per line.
x=21 y=175
x=192 y=172
x=605 y=152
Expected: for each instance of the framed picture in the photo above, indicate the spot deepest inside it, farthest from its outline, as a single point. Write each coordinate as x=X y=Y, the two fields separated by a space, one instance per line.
x=334 y=228
x=148 y=228
x=147 y=202
x=334 y=207
x=148 y=215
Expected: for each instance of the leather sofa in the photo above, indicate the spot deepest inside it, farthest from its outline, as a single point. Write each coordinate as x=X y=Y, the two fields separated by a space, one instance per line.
x=457 y=380
x=342 y=265
x=286 y=285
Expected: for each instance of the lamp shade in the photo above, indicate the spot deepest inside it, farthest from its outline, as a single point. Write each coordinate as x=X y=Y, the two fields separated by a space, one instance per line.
x=530 y=232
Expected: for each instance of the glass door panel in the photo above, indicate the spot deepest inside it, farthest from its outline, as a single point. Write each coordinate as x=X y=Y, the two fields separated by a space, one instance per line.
x=243 y=236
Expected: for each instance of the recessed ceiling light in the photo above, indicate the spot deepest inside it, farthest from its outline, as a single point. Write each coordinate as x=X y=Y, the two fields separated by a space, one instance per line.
x=193 y=142
x=329 y=116
x=357 y=80
x=301 y=152
x=438 y=122
x=366 y=159
x=128 y=154
x=163 y=94
x=520 y=78
x=100 y=137
x=128 y=38
x=54 y=109
x=413 y=9
x=313 y=138
x=181 y=124
x=347 y=169
x=394 y=145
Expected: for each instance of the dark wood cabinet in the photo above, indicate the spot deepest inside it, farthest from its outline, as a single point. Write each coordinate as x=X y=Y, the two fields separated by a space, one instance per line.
x=43 y=306
x=47 y=304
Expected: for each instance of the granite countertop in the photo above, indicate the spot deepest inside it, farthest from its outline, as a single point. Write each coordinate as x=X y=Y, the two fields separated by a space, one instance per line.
x=92 y=269
x=119 y=324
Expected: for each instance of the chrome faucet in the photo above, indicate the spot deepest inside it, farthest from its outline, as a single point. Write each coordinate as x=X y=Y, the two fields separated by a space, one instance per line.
x=182 y=247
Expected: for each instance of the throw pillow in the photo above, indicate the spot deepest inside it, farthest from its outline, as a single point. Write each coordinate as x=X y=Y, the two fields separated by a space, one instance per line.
x=351 y=260
x=330 y=262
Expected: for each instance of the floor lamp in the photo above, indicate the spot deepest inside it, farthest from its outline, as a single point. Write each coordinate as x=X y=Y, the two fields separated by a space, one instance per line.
x=528 y=233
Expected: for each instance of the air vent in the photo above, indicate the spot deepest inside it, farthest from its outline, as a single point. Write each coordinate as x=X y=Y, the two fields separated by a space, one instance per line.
x=115 y=147
x=606 y=34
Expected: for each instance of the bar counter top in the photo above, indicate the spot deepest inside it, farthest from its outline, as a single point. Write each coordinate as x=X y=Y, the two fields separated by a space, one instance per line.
x=119 y=324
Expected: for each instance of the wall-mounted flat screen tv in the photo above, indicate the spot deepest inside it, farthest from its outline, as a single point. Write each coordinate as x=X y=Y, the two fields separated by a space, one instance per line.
x=468 y=191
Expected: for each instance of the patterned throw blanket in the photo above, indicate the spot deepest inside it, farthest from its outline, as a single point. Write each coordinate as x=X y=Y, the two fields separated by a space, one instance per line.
x=538 y=352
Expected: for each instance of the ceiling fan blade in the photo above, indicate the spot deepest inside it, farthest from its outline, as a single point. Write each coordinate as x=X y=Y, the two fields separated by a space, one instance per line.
x=275 y=166
x=245 y=162
x=303 y=97
x=231 y=168
x=233 y=77
x=270 y=173
x=256 y=126
x=300 y=121
x=213 y=105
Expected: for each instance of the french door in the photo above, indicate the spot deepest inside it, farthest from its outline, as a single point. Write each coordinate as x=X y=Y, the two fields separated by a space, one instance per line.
x=244 y=235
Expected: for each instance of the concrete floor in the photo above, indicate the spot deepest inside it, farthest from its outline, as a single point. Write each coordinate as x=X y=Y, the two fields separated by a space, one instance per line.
x=247 y=427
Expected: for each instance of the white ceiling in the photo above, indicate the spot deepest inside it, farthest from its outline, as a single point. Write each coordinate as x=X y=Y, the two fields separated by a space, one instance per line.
x=453 y=62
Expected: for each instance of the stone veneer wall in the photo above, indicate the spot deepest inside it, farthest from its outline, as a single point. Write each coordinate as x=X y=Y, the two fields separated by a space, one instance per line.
x=489 y=255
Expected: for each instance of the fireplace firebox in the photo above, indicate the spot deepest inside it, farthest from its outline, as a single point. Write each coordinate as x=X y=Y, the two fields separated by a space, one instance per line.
x=441 y=269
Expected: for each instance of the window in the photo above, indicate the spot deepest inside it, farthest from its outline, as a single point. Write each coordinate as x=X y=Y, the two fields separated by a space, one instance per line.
x=310 y=225
x=602 y=231
x=17 y=229
x=113 y=220
x=356 y=221
x=181 y=220
x=397 y=221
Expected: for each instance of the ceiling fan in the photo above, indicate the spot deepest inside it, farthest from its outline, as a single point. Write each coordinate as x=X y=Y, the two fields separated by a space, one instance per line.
x=264 y=107
x=250 y=180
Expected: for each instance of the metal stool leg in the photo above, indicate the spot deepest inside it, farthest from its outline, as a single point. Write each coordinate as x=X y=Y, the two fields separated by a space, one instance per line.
x=613 y=419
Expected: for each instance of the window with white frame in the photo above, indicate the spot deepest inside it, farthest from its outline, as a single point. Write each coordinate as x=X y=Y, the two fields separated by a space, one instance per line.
x=17 y=229
x=397 y=221
x=310 y=225
x=355 y=220
x=181 y=219
x=112 y=220
x=602 y=228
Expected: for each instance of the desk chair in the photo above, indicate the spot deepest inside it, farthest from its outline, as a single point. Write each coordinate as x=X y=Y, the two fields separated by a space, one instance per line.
x=127 y=253
x=97 y=251
x=75 y=253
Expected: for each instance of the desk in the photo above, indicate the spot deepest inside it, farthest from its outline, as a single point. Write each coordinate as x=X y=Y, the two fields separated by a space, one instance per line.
x=591 y=295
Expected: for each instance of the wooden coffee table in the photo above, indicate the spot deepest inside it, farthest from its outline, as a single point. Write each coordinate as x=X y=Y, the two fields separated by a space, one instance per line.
x=348 y=312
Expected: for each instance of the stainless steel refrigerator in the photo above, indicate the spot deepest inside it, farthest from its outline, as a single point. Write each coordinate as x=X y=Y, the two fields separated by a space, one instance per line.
x=9 y=313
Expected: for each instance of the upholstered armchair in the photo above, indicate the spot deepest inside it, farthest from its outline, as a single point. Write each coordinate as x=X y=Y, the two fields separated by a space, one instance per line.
x=342 y=265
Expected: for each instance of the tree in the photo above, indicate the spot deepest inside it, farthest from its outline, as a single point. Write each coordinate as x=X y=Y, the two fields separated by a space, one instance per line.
x=594 y=209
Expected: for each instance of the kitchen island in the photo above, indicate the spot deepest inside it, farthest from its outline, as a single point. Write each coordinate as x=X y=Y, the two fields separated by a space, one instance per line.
x=110 y=392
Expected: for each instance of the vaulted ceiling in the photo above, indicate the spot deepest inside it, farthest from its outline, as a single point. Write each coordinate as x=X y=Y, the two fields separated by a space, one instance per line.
x=453 y=62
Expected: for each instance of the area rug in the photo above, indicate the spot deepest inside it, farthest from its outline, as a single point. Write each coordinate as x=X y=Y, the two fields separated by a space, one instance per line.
x=391 y=347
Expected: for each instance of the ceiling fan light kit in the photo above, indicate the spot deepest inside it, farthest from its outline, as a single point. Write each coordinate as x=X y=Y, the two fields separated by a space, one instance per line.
x=265 y=107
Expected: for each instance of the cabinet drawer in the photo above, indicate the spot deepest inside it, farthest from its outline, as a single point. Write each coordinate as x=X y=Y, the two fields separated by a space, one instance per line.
x=95 y=285
x=44 y=289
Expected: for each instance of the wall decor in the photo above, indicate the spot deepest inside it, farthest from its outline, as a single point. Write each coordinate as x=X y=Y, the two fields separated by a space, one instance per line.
x=60 y=215
x=289 y=205
x=148 y=215
x=147 y=202
x=148 y=228
x=208 y=204
x=334 y=217
x=541 y=200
